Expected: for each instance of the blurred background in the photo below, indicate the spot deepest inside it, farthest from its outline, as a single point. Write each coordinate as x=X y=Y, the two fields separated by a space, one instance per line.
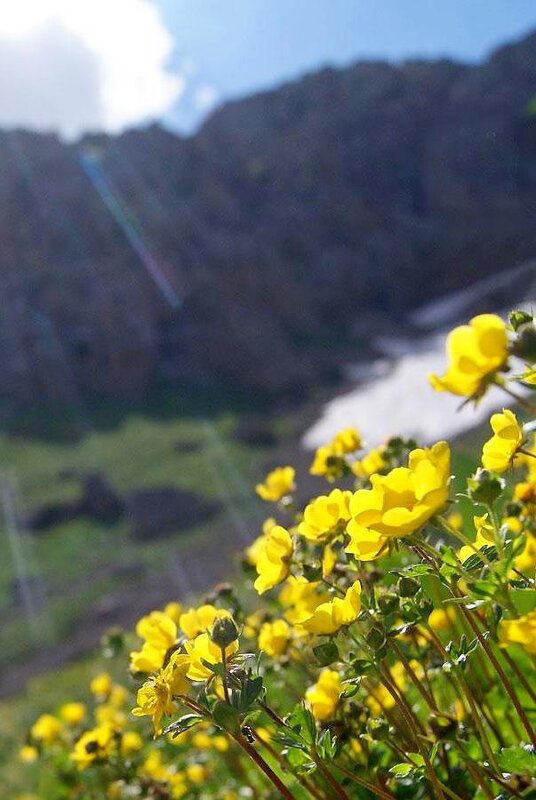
x=226 y=231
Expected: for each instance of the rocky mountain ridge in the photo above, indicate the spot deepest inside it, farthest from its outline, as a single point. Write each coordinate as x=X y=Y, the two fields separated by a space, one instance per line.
x=258 y=251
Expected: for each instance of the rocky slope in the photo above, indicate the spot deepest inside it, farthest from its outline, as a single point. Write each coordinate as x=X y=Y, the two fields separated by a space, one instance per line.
x=261 y=250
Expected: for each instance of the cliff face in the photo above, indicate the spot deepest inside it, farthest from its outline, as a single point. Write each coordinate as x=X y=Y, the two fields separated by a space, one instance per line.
x=244 y=253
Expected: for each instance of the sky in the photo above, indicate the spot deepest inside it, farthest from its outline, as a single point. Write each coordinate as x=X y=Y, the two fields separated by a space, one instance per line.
x=76 y=65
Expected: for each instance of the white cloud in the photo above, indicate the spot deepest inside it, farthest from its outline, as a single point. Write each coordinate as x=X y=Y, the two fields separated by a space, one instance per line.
x=77 y=65
x=206 y=97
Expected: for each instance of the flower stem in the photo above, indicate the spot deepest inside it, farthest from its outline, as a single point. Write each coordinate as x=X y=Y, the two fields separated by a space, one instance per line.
x=501 y=673
x=262 y=765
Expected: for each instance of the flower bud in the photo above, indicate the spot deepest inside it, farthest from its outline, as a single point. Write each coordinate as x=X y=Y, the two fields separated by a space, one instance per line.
x=378 y=728
x=407 y=587
x=484 y=487
x=375 y=639
x=224 y=631
x=524 y=346
x=518 y=318
x=388 y=602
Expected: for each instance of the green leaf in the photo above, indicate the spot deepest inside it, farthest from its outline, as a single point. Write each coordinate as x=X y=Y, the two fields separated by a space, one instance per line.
x=302 y=721
x=475 y=561
x=183 y=724
x=417 y=759
x=524 y=600
x=251 y=689
x=326 y=745
x=483 y=588
x=326 y=653
x=217 y=668
x=518 y=760
x=402 y=770
x=226 y=717
x=290 y=739
x=362 y=665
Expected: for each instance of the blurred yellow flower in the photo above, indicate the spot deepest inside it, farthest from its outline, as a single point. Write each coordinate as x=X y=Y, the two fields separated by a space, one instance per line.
x=273 y=561
x=101 y=685
x=131 y=742
x=519 y=631
x=278 y=484
x=371 y=463
x=28 y=754
x=525 y=562
x=72 y=713
x=499 y=452
x=254 y=550
x=93 y=745
x=299 y=598
x=330 y=616
x=441 y=619
x=476 y=352
x=46 y=729
x=274 y=637
x=323 y=696
x=485 y=536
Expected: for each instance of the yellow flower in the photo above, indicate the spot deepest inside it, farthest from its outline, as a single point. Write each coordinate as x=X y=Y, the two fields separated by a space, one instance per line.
x=370 y=464
x=273 y=561
x=106 y=714
x=93 y=745
x=327 y=464
x=379 y=697
x=131 y=742
x=525 y=562
x=323 y=696
x=525 y=492
x=199 y=620
x=28 y=754
x=299 y=598
x=329 y=617
x=476 y=352
x=158 y=629
x=346 y=441
x=498 y=452
x=329 y=559
x=196 y=773
x=440 y=619
x=326 y=515
x=254 y=550
x=274 y=637
x=118 y=696
x=46 y=729
x=173 y=610
x=72 y=713
x=485 y=536
x=329 y=460
x=400 y=502
x=155 y=697
x=519 y=631
x=101 y=685
x=201 y=649
x=278 y=484
x=455 y=519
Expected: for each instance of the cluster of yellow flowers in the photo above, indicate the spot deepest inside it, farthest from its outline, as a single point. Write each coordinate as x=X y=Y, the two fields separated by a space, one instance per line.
x=388 y=649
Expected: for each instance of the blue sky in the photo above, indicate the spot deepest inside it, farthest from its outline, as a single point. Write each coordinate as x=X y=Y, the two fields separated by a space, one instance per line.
x=72 y=66
x=231 y=48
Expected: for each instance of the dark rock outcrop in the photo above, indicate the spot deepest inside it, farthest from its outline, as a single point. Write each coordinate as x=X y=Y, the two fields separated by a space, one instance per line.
x=159 y=512
x=248 y=253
